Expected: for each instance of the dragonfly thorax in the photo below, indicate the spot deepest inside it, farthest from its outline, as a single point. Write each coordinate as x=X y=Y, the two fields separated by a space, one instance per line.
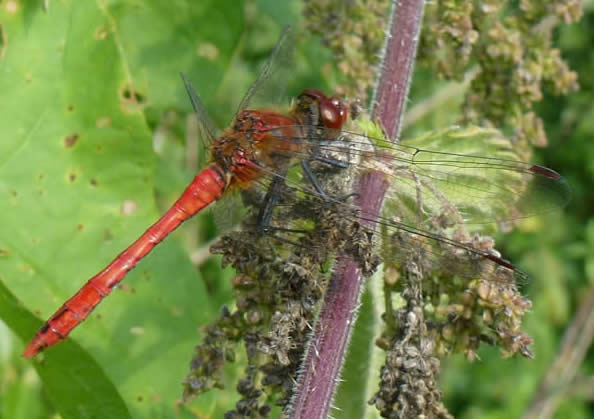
x=258 y=142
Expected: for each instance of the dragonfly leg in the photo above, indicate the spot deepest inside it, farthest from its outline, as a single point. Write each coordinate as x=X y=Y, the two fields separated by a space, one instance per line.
x=312 y=179
x=273 y=193
x=270 y=201
x=331 y=162
x=273 y=232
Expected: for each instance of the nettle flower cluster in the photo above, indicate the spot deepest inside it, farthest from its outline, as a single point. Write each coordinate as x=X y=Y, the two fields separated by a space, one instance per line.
x=511 y=47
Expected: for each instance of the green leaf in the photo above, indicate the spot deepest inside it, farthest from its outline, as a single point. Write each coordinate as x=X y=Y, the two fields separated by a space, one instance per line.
x=77 y=186
x=161 y=39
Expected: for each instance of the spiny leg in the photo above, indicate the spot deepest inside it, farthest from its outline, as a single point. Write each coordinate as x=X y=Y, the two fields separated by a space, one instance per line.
x=270 y=201
x=274 y=190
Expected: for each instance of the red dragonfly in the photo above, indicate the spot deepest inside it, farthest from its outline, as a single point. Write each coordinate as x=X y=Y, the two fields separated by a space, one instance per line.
x=263 y=144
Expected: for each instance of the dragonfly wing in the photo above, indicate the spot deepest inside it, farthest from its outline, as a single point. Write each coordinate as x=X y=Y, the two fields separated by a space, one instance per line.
x=449 y=187
x=207 y=130
x=459 y=255
x=269 y=89
x=468 y=258
x=484 y=189
x=229 y=212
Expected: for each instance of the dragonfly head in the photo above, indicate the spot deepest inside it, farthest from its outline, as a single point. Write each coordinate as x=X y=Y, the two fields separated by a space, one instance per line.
x=322 y=110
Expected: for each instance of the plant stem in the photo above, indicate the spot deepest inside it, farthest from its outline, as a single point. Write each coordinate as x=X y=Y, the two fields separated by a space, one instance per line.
x=391 y=92
x=327 y=348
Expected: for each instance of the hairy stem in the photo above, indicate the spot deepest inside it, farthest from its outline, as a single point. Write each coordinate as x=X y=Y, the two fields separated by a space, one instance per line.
x=327 y=348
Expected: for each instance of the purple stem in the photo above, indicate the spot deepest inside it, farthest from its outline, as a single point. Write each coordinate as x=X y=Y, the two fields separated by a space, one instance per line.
x=396 y=72
x=326 y=353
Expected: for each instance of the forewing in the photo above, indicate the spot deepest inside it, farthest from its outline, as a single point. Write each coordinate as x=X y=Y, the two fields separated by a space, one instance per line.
x=467 y=188
x=269 y=89
x=452 y=188
x=207 y=131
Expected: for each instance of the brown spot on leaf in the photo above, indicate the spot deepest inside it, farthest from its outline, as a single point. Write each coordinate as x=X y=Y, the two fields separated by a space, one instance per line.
x=4 y=253
x=131 y=99
x=177 y=311
x=80 y=227
x=26 y=268
x=139 y=398
x=93 y=182
x=125 y=288
x=70 y=140
x=129 y=94
x=70 y=108
x=101 y=33
x=103 y=122
x=72 y=177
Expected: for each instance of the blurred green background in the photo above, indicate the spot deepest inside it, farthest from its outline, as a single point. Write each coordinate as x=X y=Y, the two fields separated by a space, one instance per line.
x=94 y=145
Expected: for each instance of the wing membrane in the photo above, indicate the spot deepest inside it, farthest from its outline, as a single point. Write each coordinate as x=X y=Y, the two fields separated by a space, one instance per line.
x=269 y=89
x=467 y=189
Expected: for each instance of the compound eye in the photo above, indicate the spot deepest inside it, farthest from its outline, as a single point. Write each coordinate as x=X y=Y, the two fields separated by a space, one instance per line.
x=337 y=103
x=333 y=113
x=330 y=115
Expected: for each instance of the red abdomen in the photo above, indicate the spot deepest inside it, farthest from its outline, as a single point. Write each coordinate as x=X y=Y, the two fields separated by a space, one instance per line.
x=207 y=187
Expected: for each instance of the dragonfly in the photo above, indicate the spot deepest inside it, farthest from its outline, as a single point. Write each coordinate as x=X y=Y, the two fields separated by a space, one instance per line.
x=261 y=145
